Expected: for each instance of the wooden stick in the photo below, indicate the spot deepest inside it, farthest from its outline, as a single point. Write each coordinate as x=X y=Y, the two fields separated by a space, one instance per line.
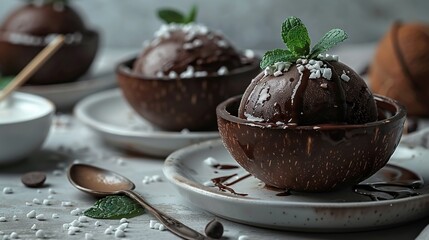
x=33 y=66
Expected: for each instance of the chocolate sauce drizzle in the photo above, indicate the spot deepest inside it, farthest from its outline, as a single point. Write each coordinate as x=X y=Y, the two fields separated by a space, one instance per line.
x=225 y=166
x=386 y=191
x=220 y=183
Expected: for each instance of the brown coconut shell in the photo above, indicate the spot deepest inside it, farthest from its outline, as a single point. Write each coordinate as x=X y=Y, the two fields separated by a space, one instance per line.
x=400 y=68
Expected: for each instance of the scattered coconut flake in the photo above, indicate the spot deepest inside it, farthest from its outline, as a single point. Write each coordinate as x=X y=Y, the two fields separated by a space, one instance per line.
x=108 y=230
x=222 y=71
x=75 y=223
x=248 y=53
x=119 y=233
x=211 y=161
x=123 y=226
x=83 y=219
x=73 y=230
x=123 y=220
x=3 y=219
x=47 y=202
x=161 y=227
x=250 y=117
x=66 y=226
x=7 y=190
x=52 y=191
x=31 y=214
x=40 y=233
x=156 y=225
x=76 y=211
x=89 y=236
x=197 y=43
x=327 y=73
x=222 y=43
x=344 y=77
x=14 y=235
x=188 y=73
x=172 y=75
x=50 y=197
x=41 y=217
x=36 y=201
x=324 y=85
x=200 y=74
x=97 y=223
x=34 y=227
x=187 y=46
x=28 y=204
x=15 y=218
x=66 y=204
x=55 y=216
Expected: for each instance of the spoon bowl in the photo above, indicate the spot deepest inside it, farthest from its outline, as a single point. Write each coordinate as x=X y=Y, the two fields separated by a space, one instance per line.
x=98 y=181
x=101 y=182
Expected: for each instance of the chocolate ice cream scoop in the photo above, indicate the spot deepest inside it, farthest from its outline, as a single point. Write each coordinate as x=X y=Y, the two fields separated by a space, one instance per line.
x=187 y=50
x=309 y=93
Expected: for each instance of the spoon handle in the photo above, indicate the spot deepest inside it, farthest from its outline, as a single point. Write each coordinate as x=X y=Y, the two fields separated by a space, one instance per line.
x=170 y=223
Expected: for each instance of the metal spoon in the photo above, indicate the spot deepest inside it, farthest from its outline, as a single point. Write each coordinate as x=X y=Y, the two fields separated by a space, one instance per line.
x=102 y=182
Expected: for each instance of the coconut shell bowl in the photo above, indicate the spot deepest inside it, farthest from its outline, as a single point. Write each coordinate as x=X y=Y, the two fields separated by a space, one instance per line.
x=182 y=103
x=311 y=158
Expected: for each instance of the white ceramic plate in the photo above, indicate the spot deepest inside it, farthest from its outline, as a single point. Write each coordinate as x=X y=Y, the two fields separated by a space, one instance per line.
x=322 y=212
x=113 y=119
x=100 y=77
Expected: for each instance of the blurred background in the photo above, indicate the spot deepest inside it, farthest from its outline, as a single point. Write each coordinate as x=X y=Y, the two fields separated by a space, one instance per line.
x=253 y=24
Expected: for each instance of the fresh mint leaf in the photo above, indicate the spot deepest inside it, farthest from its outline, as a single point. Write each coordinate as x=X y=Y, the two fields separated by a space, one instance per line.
x=114 y=207
x=288 y=24
x=192 y=15
x=330 y=39
x=277 y=55
x=295 y=36
x=171 y=16
x=298 y=40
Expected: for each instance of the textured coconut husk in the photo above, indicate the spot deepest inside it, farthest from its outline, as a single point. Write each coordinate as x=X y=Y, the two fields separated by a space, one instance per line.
x=400 y=69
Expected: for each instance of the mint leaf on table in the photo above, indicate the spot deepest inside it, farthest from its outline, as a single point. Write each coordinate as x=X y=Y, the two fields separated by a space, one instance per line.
x=295 y=36
x=171 y=16
x=277 y=55
x=114 y=207
x=330 y=39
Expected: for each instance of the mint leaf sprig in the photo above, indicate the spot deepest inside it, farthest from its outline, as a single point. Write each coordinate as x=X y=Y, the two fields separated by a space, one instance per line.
x=114 y=207
x=295 y=36
x=169 y=15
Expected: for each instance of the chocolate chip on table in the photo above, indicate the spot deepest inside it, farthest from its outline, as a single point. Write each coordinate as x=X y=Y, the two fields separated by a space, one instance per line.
x=33 y=179
x=214 y=229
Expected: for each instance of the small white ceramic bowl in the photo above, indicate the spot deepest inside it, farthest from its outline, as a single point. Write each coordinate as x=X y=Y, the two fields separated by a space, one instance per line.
x=25 y=120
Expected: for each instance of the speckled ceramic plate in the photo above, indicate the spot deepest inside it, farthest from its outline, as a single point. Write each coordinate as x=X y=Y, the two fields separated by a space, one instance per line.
x=342 y=210
x=109 y=115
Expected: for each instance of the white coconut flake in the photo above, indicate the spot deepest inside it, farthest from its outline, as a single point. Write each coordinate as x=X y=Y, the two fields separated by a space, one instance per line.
x=28 y=204
x=75 y=223
x=40 y=233
x=119 y=233
x=250 y=117
x=34 y=227
x=3 y=219
x=108 y=230
x=31 y=214
x=211 y=161
x=83 y=219
x=344 y=77
x=7 y=190
x=66 y=204
x=40 y=217
x=14 y=235
x=201 y=74
x=161 y=227
x=89 y=236
x=243 y=237
x=222 y=71
x=172 y=75
x=55 y=216
x=66 y=226
x=152 y=224
x=15 y=218
x=52 y=191
x=47 y=202
x=327 y=73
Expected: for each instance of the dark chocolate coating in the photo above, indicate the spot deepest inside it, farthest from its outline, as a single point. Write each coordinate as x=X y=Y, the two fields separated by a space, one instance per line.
x=67 y=65
x=299 y=100
x=43 y=20
x=305 y=158
x=169 y=55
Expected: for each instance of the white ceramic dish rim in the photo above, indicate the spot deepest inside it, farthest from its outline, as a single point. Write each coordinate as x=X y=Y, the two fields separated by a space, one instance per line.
x=81 y=112
x=47 y=107
x=179 y=180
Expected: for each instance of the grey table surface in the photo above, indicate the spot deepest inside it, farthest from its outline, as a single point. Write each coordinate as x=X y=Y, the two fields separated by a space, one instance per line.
x=69 y=141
